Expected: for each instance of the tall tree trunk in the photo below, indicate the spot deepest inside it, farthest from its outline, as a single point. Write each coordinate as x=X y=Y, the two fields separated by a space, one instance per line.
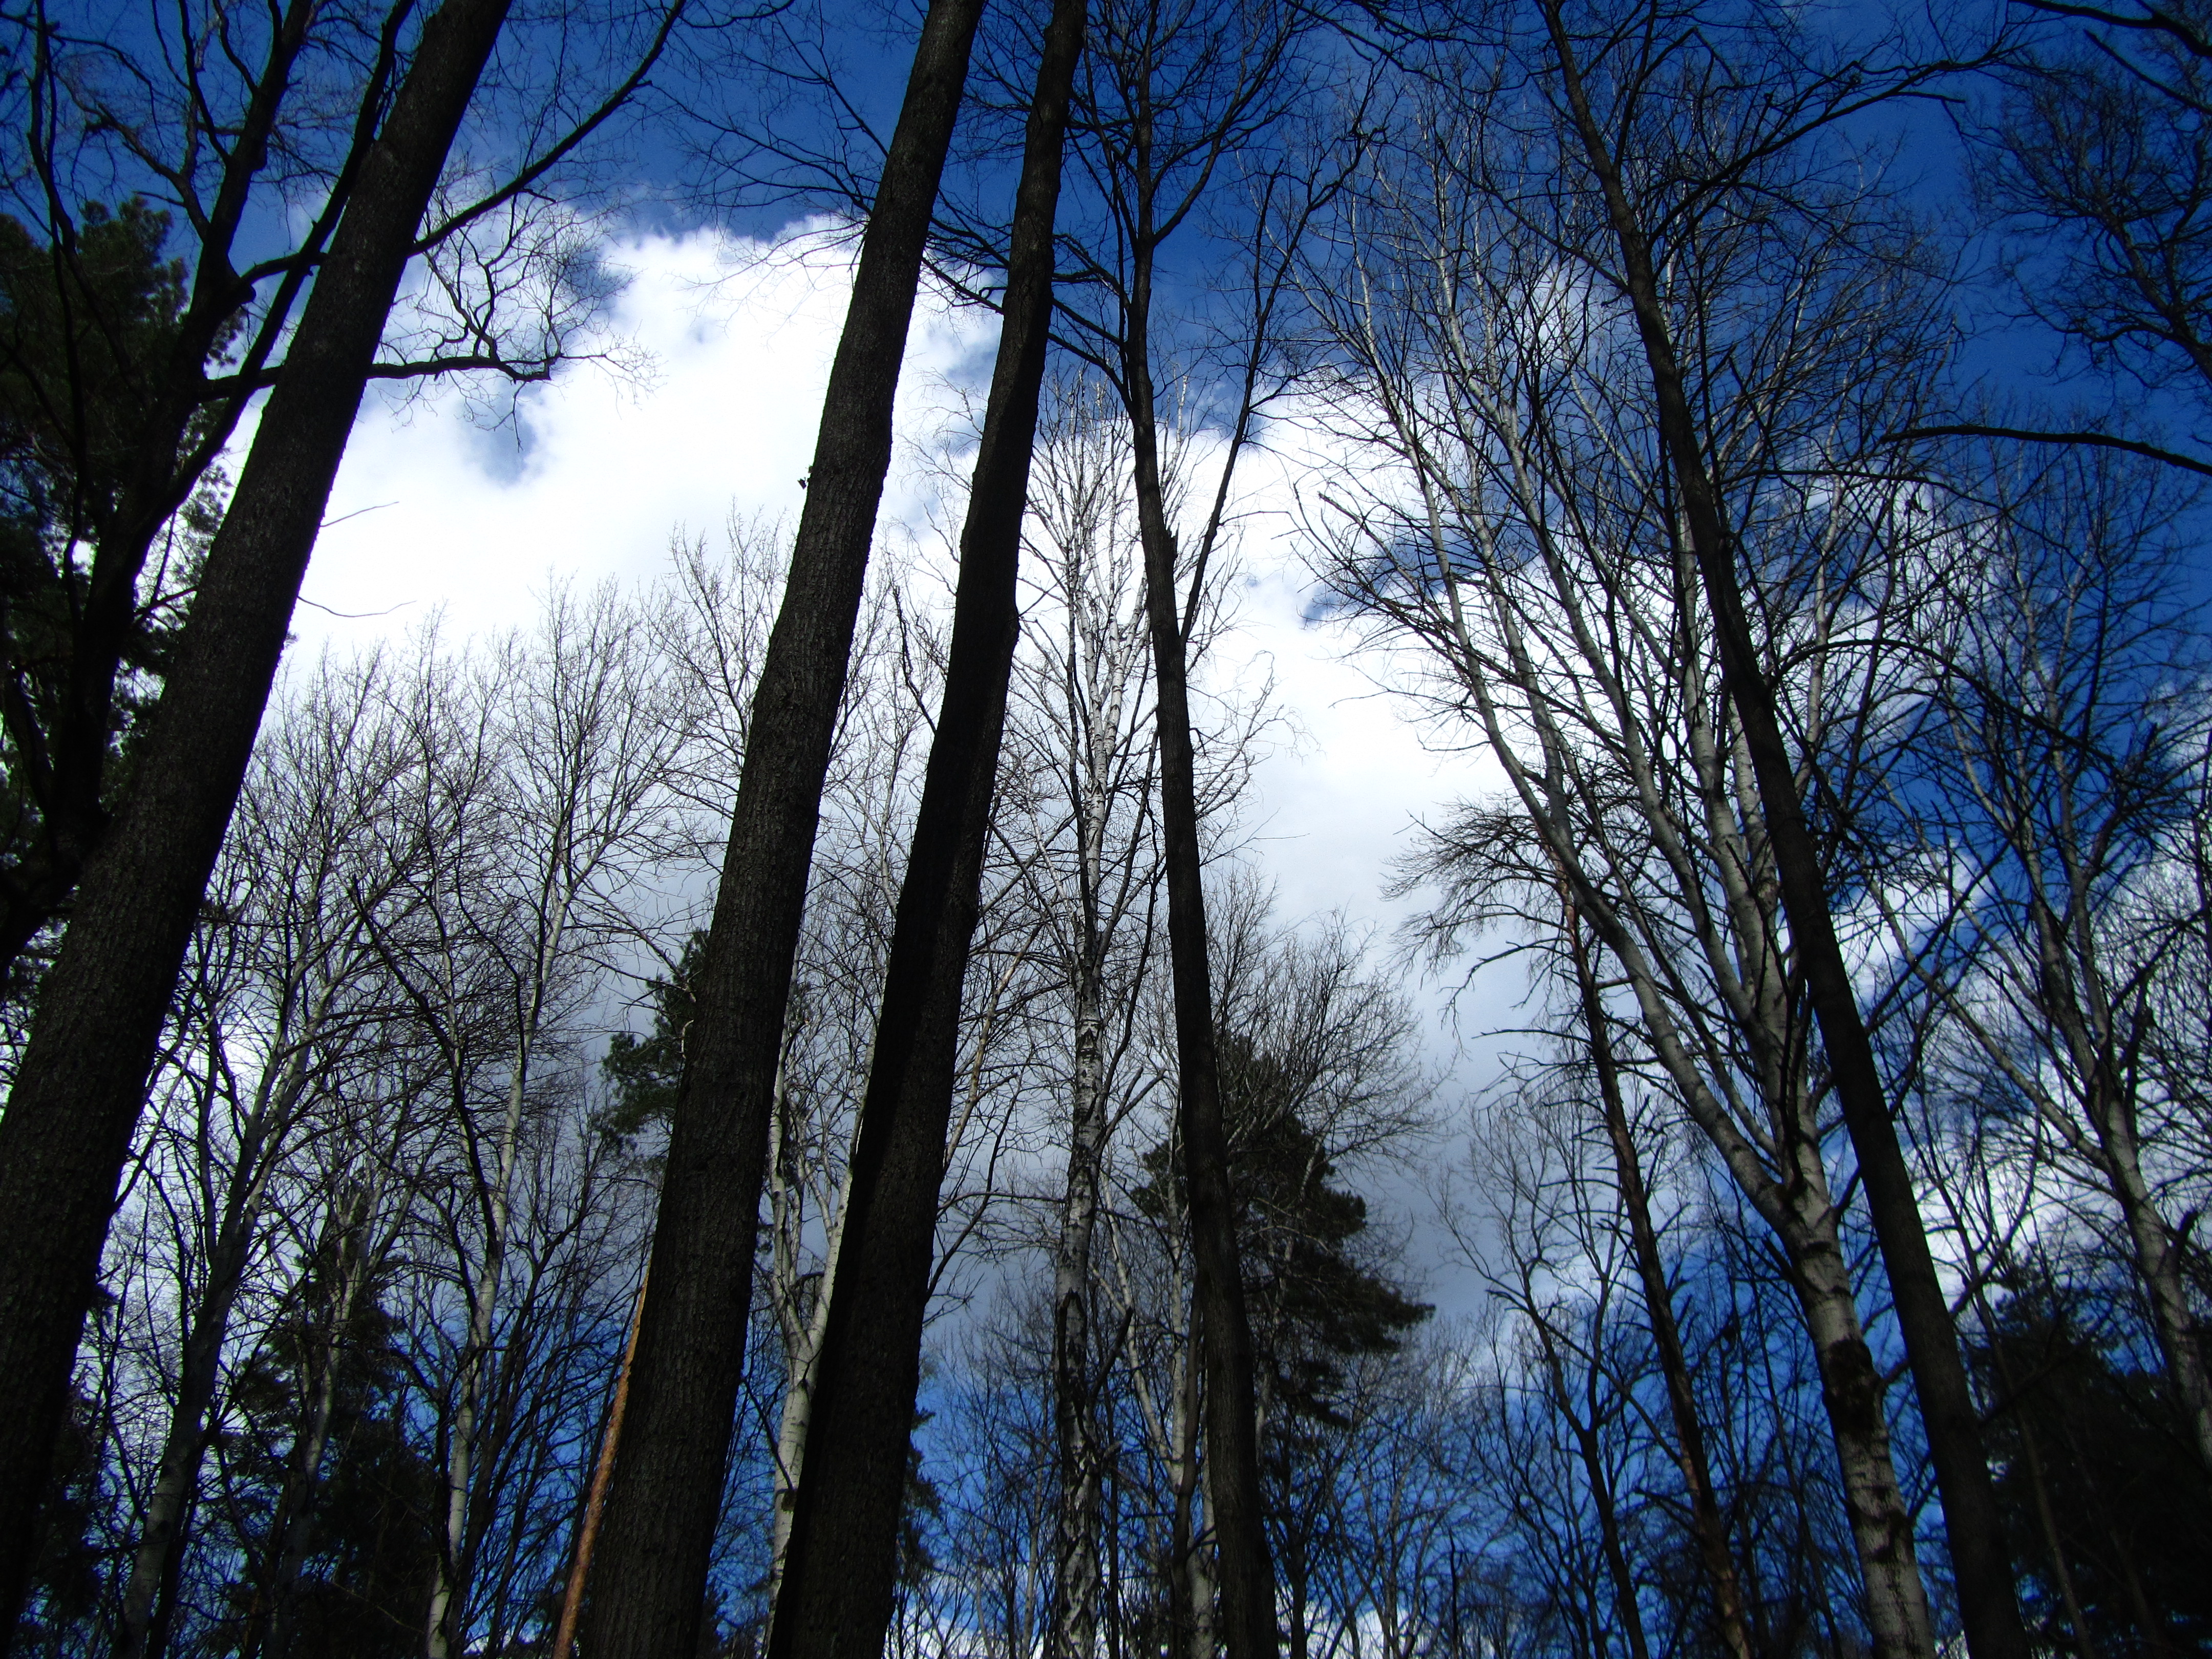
x=595 y=1499
x=1074 y=1633
x=841 y=1564
x=1987 y=1604
x=1851 y=1390
x=450 y=1589
x=1246 y=1577
x=1705 y=1523
x=149 y=1592
x=295 y=1534
x=82 y=1081
x=667 y=1489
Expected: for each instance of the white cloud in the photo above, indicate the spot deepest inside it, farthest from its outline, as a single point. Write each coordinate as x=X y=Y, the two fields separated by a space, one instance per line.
x=431 y=510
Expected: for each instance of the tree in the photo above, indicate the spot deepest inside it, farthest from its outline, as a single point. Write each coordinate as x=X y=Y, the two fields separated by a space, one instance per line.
x=835 y=1596
x=281 y=994
x=2126 y=1511
x=77 y=1090
x=2064 y=758
x=2095 y=166
x=684 y=1385
x=1541 y=550
x=83 y=331
x=1948 y=1412
x=1168 y=98
x=1081 y=742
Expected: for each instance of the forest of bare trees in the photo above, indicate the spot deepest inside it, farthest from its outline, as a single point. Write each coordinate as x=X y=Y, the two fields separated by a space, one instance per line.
x=775 y=1110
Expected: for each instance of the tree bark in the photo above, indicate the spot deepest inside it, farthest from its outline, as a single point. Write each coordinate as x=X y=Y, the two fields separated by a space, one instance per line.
x=1245 y=1576
x=667 y=1487
x=78 y=1091
x=839 y=1569
x=1987 y=1603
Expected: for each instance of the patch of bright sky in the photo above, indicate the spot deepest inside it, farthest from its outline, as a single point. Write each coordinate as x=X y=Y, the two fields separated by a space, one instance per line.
x=437 y=516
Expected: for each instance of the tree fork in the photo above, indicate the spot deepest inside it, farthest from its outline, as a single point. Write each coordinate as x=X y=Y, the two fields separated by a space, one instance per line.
x=835 y=1595
x=78 y=1095
x=1987 y=1603
x=666 y=1490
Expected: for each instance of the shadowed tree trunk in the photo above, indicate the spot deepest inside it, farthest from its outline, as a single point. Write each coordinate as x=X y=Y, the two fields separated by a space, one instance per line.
x=1987 y=1603
x=1245 y=1577
x=1705 y=1522
x=667 y=1485
x=78 y=1091
x=835 y=1596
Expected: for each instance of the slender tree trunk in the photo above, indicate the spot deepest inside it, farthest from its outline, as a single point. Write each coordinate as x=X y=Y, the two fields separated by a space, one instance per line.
x=2158 y=1259
x=2109 y=1106
x=668 y=1488
x=451 y=1587
x=81 y=1085
x=1182 y=1541
x=1625 y=1606
x=1987 y=1603
x=1075 y=1633
x=1246 y=1577
x=296 y=1511
x=149 y=1592
x=1705 y=1523
x=840 y=1570
x=802 y=1356
x=588 y=1529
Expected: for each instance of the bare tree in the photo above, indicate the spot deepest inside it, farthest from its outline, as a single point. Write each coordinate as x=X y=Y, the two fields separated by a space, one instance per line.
x=2065 y=762
x=79 y=1085
x=1167 y=99
x=1539 y=554
x=1081 y=740
x=280 y=993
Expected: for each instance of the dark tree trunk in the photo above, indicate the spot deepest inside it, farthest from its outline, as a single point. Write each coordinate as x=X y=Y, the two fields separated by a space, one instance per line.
x=667 y=1485
x=1245 y=1576
x=1987 y=1604
x=839 y=1569
x=1705 y=1523
x=78 y=1091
